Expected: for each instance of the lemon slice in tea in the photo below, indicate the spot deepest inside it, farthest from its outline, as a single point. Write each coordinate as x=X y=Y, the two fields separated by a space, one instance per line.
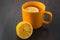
x=32 y=9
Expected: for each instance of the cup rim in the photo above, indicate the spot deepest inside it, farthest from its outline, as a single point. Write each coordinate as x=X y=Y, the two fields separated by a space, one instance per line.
x=34 y=2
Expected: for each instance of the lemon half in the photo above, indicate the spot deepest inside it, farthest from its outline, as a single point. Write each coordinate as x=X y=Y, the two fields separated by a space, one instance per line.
x=24 y=30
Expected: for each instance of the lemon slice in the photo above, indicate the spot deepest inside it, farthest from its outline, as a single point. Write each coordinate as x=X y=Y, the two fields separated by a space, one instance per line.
x=32 y=9
x=24 y=30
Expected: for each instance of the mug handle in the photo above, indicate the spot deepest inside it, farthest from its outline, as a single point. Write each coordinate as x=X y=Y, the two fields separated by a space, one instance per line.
x=50 y=14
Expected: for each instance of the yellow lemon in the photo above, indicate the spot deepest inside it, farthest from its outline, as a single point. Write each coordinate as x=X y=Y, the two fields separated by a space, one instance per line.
x=32 y=9
x=24 y=30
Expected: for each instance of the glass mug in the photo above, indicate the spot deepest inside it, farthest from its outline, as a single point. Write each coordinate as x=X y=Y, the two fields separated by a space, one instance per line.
x=37 y=18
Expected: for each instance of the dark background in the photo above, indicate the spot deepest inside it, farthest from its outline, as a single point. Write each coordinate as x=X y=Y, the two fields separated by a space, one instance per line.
x=10 y=15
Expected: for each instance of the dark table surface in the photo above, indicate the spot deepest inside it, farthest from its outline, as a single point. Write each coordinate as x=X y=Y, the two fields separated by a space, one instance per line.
x=10 y=15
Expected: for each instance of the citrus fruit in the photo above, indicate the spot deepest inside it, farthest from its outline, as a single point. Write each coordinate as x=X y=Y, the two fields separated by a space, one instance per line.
x=32 y=9
x=24 y=30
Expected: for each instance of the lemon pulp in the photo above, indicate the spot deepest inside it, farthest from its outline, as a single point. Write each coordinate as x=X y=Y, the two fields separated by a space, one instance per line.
x=24 y=30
